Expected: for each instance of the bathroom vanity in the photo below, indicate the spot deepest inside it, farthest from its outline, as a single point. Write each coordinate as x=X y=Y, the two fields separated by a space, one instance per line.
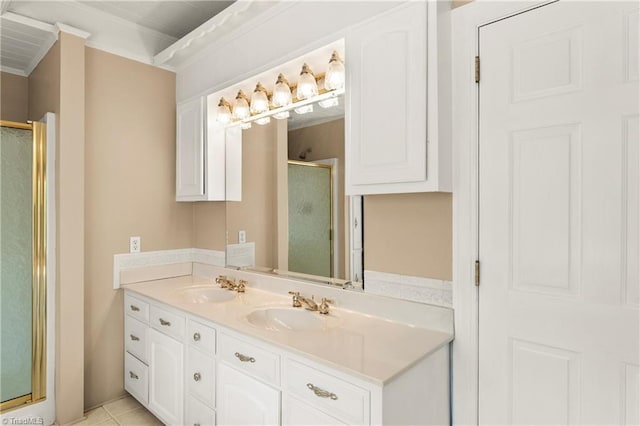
x=197 y=354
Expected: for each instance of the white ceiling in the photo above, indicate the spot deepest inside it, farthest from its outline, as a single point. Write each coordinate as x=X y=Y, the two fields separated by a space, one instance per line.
x=138 y=30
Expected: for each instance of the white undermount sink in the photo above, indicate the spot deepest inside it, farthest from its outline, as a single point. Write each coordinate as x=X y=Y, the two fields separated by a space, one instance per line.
x=206 y=294
x=290 y=319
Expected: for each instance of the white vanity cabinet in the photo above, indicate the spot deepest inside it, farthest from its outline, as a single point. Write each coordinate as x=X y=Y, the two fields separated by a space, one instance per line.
x=196 y=372
x=393 y=140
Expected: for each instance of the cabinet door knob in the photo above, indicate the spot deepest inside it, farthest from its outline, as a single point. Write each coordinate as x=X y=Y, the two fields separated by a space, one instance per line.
x=321 y=393
x=163 y=322
x=134 y=338
x=133 y=375
x=134 y=308
x=244 y=358
x=196 y=336
x=197 y=377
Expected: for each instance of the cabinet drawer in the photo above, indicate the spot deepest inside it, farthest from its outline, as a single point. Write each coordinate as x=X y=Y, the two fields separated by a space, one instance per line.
x=135 y=341
x=136 y=308
x=199 y=414
x=201 y=336
x=200 y=376
x=250 y=358
x=329 y=393
x=136 y=378
x=167 y=322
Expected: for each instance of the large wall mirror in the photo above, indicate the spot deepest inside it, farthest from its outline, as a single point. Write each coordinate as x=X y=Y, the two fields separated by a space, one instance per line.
x=289 y=214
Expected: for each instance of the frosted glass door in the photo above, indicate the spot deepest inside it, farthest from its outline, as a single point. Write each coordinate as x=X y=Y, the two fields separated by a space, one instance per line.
x=310 y=213
x=16 y=159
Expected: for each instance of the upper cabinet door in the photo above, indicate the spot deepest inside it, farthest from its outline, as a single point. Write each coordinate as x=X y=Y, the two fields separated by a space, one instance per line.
x=190 y=151
x=386 y=118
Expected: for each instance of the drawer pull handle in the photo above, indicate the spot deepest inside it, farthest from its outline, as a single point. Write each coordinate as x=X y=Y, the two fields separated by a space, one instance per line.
x=133 y=375
x=163 y=322
x=134 y=308
x=196 y=337
x=134 y=338
x=321 y=392
x=197 y=377
x=196 y=424
x=244 y=358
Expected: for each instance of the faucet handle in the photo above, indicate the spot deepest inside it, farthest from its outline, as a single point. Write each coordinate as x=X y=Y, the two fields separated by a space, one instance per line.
x=242 y=284
x=296 y=299
x=324 y=306
x=222 y=280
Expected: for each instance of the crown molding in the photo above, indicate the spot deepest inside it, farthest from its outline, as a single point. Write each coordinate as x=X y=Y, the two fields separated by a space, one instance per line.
x=15 y=71
x=60 y=27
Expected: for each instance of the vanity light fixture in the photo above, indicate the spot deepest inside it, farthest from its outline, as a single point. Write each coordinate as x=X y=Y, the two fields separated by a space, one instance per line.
x=334 y=77
x=281 y=92
x=259 y=100
x=328 y=103
x=241 y=107
x=245 y=125
x=307 y=85
x=223 y=112
x=304 y=109
x=281 y=115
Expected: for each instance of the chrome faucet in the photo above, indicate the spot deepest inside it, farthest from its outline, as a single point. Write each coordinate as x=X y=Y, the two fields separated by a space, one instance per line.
x=322 y=308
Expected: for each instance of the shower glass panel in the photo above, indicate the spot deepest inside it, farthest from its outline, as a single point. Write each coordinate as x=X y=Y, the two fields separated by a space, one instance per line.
x=310 y=218
x=21 y=264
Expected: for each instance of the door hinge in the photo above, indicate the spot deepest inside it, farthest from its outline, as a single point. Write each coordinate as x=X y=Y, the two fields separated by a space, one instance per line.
x=477 y=273
x=477 y=69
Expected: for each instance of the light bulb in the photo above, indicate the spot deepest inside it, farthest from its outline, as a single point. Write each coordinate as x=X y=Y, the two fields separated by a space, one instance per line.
x=307 y=86
x=281 y=115
x=328 y=103
x=304 y=109
x=262 y=121
x=259 y=100
x=223 y=113
x=334 y=77
x=281 y=92
x=241 y=107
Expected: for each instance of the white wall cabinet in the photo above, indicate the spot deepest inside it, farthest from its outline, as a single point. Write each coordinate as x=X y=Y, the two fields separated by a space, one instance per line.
x=200 y=373
x=190 y=151
x=393 y=142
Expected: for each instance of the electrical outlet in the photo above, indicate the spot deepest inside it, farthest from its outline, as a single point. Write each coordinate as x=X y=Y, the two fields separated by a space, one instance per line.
x=134 y=245
x=242 y=237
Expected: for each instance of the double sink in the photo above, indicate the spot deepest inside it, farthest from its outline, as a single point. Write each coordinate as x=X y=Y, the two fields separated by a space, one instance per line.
x=273 y=318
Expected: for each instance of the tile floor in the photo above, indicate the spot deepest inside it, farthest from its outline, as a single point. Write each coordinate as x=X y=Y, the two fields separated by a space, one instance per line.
x=126 y=412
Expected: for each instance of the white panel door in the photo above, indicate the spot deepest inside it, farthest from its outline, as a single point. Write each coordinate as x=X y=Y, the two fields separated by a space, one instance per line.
x=166 y=377
x=190 y=150
x=559 y=216
x=243 y=400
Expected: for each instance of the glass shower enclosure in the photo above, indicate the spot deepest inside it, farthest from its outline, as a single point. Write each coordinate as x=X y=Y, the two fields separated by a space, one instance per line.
x=22 y=264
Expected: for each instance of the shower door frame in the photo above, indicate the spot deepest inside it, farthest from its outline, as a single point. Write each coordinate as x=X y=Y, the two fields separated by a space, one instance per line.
x=39 y=268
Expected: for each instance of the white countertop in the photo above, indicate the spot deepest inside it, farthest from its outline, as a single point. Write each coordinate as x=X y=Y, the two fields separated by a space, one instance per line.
x=371 y=348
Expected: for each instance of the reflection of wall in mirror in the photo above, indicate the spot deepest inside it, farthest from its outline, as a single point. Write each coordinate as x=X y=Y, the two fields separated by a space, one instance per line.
x=256 y=213
x=320 y=142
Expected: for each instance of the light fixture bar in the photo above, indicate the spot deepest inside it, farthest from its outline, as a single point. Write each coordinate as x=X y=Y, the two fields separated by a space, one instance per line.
x=296 y=104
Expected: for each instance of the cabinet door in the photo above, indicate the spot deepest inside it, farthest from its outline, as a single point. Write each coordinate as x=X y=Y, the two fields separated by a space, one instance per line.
x=243 y=400
x=387 y=101
x=296 y=412
x=166 y=377
x=190 y=151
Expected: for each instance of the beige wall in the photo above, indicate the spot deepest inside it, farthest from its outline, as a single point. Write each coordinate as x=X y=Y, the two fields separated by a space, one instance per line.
x=130 y=181
x=57 y=85
x=320 y=142
x=14 y=97
x=458 y=3
x=209 y=225
x=409 y=234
